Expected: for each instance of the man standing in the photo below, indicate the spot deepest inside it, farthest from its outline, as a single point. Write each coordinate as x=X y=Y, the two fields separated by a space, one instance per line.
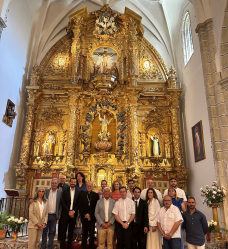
x=150 y=184
x=69 y=205
x=169 y=220
x=195 y=225
x=62 y=185
x=124 y=211
x=54 y=212
x=87 y=205
x=131 y=185
x=103 y=185
x=105 y=219
x=141 y=221
x=180 y=192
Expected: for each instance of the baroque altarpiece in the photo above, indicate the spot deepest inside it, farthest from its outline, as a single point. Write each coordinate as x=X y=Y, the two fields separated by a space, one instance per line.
x=102 y=102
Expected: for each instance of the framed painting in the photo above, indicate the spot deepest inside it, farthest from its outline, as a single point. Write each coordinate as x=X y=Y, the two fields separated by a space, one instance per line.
x=198 y=142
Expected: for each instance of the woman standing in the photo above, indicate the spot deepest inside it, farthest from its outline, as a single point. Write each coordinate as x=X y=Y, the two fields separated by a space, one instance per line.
x=38 y=215
x=115 y=195
x=153 y=235
x=178 y=202
x=81 y=185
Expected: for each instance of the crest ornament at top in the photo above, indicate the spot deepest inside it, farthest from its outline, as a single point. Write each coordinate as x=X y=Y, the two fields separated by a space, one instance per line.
x=105 y=23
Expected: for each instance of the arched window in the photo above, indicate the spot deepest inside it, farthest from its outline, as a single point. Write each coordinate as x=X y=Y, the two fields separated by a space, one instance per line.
x=187 y=38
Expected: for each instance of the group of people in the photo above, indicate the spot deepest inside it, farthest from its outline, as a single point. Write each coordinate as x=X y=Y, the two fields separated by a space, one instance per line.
x=133 y=218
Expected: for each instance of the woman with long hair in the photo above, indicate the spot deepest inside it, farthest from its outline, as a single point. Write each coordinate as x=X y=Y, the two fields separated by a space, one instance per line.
x=153 y=235
x=178 y=202
x=38 y=215
x=115 y=195
x=81 y=185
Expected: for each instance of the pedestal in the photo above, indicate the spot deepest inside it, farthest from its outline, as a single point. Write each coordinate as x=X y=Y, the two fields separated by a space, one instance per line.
x=215 y=218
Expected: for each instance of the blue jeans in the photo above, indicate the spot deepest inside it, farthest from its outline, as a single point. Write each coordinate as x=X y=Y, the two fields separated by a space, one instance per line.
x=174 y=243
x=50 y=229
x=182 y=239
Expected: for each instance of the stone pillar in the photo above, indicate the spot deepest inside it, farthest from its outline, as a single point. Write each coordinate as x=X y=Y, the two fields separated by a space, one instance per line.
x=216 y=106
x=2 y=26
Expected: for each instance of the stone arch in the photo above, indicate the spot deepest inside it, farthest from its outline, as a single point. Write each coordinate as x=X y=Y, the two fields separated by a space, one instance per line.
x=224 y=46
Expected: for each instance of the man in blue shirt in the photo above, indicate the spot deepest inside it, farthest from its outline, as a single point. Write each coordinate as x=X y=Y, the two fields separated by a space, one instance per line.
x=195 y=225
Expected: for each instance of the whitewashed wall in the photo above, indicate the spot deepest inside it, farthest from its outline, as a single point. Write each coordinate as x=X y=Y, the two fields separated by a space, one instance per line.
x=14 y=63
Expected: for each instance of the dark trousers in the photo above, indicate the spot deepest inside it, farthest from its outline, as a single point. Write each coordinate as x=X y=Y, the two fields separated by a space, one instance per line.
x=59 y=228
x=174 y=243
x=139 y=238
x=67 y=222
x=124 y=236
x=50 y=229
x=88 y=227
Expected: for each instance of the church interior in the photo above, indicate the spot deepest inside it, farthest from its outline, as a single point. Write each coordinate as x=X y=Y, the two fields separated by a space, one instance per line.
x=116 y=89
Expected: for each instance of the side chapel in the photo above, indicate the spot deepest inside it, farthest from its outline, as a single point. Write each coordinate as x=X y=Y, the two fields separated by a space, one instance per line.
x=103 y=102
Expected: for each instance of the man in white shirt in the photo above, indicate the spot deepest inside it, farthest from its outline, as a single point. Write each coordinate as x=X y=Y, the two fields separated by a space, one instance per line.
x=131 y=185
x=150 y=184
x=180 y=192
x=105 y=219
x=169 y=220
x=54 y=212
x=124 y=211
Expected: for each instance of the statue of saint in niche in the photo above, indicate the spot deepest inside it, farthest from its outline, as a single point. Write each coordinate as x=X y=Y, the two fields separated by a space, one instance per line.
x=49 y=144
x=155 y=148
x=104 y=135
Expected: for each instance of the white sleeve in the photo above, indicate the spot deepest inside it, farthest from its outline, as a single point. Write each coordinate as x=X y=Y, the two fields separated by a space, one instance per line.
x=160 y=199
x=177 y=215
x=165 y=193
x=183 y=195
x=143 y=194
x=132 y=207
x=154 y=216
x=115 y=209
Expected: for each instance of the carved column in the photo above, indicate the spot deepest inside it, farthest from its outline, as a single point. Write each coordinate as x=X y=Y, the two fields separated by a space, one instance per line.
x=76 y=46
x=72 y=130
x=22 y=166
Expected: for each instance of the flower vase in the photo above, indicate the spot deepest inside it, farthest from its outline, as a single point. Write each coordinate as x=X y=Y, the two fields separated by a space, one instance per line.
x=208 y=237
x=215 y=218
x=14 y=237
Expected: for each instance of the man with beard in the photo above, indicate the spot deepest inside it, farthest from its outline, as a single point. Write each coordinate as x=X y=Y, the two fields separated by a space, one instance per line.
x=195 y=225
x=180 y=192
x=69 y=205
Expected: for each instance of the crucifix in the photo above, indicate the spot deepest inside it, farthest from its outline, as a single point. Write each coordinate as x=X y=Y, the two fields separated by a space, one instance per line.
x=105 y=55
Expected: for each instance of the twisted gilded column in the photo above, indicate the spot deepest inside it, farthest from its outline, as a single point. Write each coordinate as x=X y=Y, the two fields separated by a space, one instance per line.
x=73 y=107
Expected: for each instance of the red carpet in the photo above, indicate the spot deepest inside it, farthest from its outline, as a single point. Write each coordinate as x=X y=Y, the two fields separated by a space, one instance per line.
x=76 y=245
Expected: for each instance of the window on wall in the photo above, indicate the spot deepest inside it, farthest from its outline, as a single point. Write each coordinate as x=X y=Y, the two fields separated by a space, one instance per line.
x=187 y=38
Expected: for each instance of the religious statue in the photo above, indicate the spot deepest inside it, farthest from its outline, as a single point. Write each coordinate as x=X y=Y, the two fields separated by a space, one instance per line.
x=105 y=56
x=49 y=144
x=104 y=134
x=114 y=69
x=155 y=148
x=36 y=143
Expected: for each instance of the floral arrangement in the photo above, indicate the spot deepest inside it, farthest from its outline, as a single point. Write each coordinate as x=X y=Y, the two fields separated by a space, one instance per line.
x=16 y=224
x=213 y=194
x=211 y=226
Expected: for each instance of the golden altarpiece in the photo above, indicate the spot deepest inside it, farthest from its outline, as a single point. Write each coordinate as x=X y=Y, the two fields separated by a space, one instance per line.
x=102 y=102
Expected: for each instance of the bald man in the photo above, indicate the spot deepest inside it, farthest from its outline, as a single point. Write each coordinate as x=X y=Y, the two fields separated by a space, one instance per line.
x=87 y=205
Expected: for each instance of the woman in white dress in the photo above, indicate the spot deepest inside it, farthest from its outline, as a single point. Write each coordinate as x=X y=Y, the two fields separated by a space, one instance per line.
x=153 y=235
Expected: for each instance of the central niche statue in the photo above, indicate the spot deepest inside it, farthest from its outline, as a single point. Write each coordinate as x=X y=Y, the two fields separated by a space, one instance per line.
x=104 y=135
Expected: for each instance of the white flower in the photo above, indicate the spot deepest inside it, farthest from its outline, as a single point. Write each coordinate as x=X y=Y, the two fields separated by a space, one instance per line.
x=16 y=220
x=214 y=187
x=21 y=218
x=206 y=186
x=214 y=192
x=9 y=219
x=215 y=223
x=26 y=220
x=215 y=182
x=201 y=189
x=19 y=221
x=209 y=223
